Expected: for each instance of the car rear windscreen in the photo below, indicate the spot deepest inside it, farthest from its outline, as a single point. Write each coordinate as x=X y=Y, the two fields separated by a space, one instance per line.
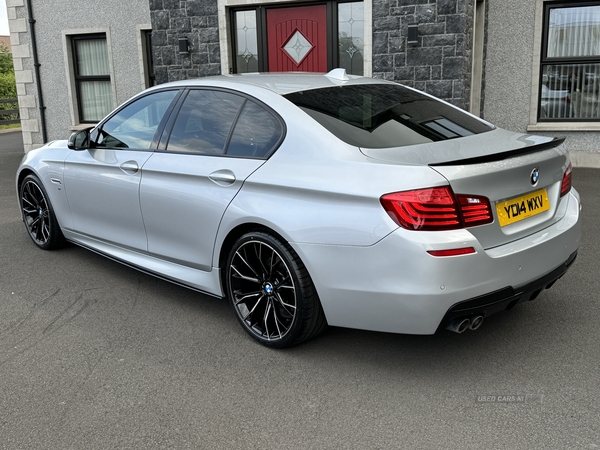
x=385 y=115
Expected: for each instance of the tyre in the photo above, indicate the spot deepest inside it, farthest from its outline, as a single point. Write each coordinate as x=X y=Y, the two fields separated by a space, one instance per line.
x=271 y=291
x=38 y=214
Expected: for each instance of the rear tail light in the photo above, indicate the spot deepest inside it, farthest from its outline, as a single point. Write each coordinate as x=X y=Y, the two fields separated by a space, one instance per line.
x=566 y=181
x=475 y=210
x=436 y=209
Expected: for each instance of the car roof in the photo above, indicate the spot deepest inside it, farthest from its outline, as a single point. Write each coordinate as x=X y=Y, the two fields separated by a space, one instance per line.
x=280 y=83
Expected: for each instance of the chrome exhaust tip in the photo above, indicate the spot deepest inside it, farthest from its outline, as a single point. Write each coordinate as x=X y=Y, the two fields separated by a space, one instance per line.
x=459 y=325
x=476 y=322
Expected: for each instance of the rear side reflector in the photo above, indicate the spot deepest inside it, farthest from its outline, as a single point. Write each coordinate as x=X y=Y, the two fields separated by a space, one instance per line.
x=436 y=208
x=452 y=252
x=566 y=181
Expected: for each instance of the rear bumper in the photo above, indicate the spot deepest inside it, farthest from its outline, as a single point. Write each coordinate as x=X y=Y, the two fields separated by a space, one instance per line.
x=396 y=286
x=505 y=299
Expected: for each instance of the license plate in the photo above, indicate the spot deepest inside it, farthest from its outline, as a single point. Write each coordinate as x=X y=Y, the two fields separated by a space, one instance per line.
x=523 y=207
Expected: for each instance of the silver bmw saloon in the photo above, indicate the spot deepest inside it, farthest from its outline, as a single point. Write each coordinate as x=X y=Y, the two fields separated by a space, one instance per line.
x=311 y=200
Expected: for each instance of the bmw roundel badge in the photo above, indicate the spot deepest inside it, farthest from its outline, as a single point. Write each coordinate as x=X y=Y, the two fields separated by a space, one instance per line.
x=535 y=176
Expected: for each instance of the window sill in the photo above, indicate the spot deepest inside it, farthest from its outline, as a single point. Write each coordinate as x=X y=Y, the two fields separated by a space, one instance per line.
x=564 y=126
x=82 y=126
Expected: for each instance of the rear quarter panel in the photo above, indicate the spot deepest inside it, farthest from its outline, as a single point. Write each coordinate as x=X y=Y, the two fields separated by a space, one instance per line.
x=317 y=189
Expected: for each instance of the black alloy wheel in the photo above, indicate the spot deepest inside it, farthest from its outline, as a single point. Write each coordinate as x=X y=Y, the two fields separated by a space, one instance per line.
x=38 y=215
x=271 y=292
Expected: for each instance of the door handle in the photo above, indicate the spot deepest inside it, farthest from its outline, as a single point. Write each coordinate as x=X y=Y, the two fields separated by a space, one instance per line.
x=130 y=167
x=223 y=177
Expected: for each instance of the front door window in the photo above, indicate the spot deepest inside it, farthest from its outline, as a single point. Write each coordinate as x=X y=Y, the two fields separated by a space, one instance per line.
x=135 y=125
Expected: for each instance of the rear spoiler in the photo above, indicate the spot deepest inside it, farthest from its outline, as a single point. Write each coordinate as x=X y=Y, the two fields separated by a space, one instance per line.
x=503 y=155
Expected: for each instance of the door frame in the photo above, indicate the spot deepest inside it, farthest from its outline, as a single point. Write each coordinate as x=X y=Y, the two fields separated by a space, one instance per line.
x=479 y=29
x=261 y=29
x=226 y=17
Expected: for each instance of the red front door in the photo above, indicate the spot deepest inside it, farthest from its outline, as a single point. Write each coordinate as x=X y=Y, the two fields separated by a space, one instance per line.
x=297 y=39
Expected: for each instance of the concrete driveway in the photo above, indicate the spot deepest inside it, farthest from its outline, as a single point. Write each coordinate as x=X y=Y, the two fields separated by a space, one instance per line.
x=95 y=355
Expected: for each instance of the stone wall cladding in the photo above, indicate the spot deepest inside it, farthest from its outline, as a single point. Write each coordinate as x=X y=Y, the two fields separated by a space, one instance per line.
x=440 y=63
x=195 y=20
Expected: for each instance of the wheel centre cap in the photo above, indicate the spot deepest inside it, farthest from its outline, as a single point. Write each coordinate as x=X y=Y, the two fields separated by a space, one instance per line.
x=268 y=288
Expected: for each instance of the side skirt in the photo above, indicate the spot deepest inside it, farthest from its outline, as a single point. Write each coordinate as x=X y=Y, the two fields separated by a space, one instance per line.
x=205 y=282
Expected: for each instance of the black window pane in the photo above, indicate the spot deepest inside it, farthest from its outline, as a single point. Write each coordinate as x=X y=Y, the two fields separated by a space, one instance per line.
x=204 y=122
x=92 y=57
x=256 y=133
x=573 y=32
x=95 y=100
x=570 y=91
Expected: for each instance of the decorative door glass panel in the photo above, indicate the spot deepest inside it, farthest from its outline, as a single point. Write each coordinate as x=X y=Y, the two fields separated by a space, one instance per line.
x=297 y=47
x=351 y=31
x=246 y=41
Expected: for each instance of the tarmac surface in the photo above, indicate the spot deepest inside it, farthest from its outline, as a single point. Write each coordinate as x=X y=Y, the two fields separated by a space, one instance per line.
x=96 y=355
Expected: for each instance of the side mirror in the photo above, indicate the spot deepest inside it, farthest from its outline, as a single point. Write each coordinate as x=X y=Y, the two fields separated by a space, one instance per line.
x=80 y=140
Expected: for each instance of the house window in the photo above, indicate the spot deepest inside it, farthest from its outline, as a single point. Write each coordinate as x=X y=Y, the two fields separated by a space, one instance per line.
x=92 y=77
x=570 y=63
x=253 y=36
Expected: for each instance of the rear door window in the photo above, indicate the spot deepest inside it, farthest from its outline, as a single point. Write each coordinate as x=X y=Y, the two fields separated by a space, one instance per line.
x=204 y=122
x=256 y=132
x=220 y=123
